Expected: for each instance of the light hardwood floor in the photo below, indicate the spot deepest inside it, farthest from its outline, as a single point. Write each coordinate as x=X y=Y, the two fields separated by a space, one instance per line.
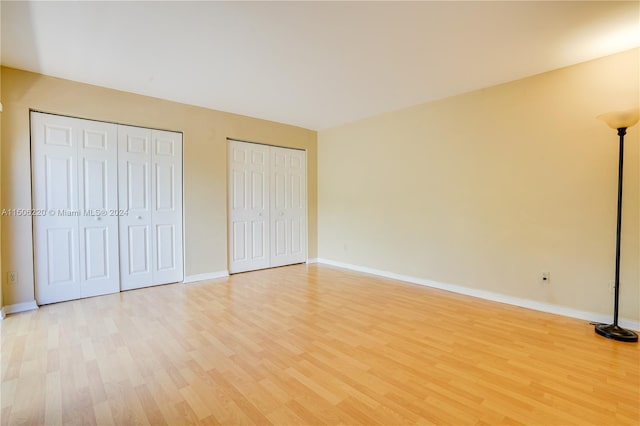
x=310 y=344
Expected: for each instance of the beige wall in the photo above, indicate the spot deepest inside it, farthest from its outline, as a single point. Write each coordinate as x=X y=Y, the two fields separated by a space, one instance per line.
x=205 y=132
x=488 y=189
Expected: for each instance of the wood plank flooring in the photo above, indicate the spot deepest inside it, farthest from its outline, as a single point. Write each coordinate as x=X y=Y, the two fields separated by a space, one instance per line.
x=310 y=345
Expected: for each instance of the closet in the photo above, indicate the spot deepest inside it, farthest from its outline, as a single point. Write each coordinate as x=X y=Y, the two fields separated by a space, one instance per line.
x=267 y=206
x=107 y=207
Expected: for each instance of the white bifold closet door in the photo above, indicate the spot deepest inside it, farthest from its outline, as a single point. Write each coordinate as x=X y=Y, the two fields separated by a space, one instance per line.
x=249 y=226
x=267 y=206
x=107 y=203
x=150 y=190
x=74 y=165
x=288 y=201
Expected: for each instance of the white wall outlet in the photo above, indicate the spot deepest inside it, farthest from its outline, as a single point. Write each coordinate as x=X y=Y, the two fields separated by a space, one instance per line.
x=545 y=277
x=12 y=277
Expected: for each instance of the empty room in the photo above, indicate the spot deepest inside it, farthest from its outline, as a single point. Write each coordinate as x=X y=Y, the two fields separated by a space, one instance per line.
x=320 y=213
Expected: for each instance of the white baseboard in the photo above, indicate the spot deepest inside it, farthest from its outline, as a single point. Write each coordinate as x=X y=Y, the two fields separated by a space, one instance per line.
x=313 y=260
x=19 y=307
x=207 y=276
x=488 y=295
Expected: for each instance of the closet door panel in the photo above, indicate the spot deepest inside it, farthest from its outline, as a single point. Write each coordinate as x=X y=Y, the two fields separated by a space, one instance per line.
x=98 y=201
x=288 y=211
x=74 y=182
x=135 y=199
x=55 y=179
x=166 y=212
x=249 y=229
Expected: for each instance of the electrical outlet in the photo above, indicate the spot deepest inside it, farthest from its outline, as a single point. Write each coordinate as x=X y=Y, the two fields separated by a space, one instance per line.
x=12 y=277
x=545 y=277
x=612 y=286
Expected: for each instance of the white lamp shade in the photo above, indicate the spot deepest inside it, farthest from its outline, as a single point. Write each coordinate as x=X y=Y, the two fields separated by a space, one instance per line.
x=619 y=119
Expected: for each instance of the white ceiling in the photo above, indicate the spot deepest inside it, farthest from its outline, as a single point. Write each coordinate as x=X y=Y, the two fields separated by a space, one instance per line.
x=310 y=64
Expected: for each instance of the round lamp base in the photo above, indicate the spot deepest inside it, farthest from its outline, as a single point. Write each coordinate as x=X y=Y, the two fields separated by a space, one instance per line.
x=615 y=332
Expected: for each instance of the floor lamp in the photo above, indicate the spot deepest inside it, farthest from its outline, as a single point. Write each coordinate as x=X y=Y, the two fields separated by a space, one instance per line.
x=619 y=120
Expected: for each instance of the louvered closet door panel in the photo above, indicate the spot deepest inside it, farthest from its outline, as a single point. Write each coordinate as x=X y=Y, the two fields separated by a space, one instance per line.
x=288 y=206
x=134 y=193
x=248 y=199
x=166 y=210
x=98 y=203
x=55 y=201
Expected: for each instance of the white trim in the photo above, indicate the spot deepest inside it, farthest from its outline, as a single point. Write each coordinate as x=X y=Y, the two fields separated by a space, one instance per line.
x=207 y=276
x=314 y=260
x=489 y=295
x=19 y=307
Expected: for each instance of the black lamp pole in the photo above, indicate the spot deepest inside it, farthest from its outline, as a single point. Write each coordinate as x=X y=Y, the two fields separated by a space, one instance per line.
x=614 y=331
